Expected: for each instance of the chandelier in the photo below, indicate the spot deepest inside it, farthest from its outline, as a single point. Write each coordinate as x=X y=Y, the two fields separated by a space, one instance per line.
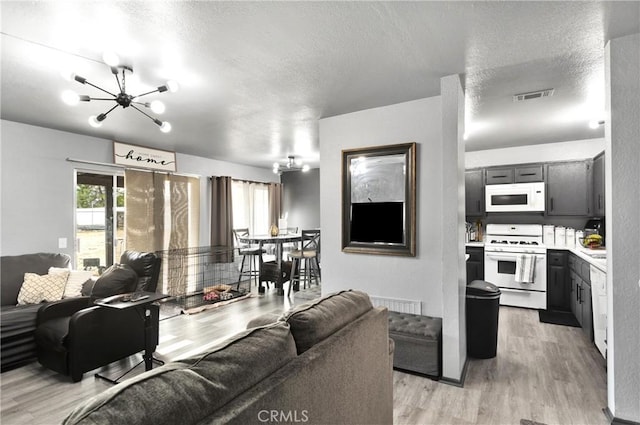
x=122 y=98
x=292 y=164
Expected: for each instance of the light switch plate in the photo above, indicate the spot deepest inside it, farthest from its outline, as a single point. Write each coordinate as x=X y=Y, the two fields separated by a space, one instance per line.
x=62 y=243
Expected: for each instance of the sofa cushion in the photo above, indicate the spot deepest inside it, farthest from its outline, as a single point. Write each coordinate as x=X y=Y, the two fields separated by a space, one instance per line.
x=189 y=390
x=15 y=266
x=314 y=321
x=38 y=288
x=117 y=279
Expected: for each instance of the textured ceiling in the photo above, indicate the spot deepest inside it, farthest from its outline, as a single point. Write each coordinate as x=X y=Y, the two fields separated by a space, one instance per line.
x=255 y=77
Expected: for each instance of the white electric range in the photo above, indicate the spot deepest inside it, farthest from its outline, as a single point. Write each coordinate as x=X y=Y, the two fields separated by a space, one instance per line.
x=505 y=246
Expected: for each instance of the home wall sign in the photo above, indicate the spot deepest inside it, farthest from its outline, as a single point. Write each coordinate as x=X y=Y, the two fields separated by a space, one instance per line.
x=141 y=157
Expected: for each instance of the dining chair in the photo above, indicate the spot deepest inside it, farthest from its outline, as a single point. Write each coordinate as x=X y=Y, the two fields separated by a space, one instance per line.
x=305 y=263
x=250 y=253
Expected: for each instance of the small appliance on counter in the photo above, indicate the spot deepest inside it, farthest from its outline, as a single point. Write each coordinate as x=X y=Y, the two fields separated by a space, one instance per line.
x=595 y=226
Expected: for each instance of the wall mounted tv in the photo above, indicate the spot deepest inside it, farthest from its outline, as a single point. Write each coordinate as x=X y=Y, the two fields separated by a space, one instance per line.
x=377 y=222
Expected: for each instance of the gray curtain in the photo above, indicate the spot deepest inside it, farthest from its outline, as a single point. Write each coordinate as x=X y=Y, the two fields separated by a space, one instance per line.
x=275 y=202
x=222 y=216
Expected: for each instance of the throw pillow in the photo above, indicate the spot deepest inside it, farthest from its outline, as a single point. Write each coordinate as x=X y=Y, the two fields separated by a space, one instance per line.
x=117 y=279
x=36 y=289
x=75 y=282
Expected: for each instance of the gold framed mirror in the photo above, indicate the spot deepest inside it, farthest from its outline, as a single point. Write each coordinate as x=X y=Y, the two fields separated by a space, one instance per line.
x=379 y=200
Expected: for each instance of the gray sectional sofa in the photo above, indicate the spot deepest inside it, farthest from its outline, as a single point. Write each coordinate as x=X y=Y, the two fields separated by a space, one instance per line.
x=327 y=361
x=18 y=322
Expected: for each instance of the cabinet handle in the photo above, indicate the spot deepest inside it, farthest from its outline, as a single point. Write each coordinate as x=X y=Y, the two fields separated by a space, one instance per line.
x=498 y=177
x=581 y=300
x=478 y=205
x=599 y=201
x=528 y=174
x=551 y=202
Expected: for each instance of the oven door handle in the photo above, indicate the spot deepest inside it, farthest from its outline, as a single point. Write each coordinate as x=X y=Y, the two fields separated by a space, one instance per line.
x=520 y=291
x=507 y=257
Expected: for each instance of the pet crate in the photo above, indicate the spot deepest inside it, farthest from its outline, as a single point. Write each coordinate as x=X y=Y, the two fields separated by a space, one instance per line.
x=197 y=276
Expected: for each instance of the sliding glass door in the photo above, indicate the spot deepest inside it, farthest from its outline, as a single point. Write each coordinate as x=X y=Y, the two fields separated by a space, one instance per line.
x=99 y=208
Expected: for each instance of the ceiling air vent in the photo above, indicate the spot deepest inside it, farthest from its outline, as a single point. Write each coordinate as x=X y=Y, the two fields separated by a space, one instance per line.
x=532 y=95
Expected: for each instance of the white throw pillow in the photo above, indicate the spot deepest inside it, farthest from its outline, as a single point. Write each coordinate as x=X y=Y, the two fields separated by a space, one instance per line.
x=75 y=282
x=36 y=288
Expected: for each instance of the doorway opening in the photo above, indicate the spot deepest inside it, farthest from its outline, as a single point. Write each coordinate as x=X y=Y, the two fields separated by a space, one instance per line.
x=99 y=209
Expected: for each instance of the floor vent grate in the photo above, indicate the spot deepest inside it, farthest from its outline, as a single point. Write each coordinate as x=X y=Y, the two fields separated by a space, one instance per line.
x=398 y=305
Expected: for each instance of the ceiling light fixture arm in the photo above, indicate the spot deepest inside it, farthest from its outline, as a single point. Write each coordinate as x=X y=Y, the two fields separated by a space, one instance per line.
x=83 y=80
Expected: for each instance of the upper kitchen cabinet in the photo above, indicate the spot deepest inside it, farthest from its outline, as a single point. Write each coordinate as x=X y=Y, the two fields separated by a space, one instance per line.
x=569 y=187
x=529 y=174
x=598 y=185
x=515 y=174
x=500 y=175
x=474 y=192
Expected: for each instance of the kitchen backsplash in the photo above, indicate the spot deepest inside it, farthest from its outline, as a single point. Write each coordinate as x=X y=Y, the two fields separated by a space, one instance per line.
x=572 y=224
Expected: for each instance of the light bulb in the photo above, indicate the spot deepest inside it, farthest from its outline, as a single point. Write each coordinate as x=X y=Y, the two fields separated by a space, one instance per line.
x=71 y=98
x=93 y=121
x=172 y=86
x=305 y=168
x=68 y=75
x=595 y=124
x=157 y=107
x=110 y=58
x=165 y=127
x=276 y=165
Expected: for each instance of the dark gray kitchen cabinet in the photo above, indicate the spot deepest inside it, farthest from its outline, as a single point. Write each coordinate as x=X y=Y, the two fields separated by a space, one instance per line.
x=569 y=187
x=587 y=310
x=500 y=175
x=526 y=173
x=474 y=192
x=558 y=284
x=529 y=174
x=475 y=263
x=579 y=272
x=598 y=185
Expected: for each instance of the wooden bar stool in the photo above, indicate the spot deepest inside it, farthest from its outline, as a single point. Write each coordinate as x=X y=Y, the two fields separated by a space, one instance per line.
x=248 y=252
x=305 y=265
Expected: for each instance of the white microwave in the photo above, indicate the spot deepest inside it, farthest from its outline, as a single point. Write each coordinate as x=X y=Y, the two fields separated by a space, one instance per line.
x=517 y=197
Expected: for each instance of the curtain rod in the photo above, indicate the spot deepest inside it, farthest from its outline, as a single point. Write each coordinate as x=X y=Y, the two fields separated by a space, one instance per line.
x=124 y=167
x=246 y=181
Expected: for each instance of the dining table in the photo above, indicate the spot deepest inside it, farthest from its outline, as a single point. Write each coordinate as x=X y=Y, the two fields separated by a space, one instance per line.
x=278 y=241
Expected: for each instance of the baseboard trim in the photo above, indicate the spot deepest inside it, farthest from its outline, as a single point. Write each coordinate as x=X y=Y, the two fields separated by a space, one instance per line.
x=457 y=382
x=617 y=421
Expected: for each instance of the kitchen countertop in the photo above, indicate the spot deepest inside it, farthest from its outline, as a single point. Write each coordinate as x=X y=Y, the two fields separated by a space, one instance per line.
x=600 y=263
x=475 y=244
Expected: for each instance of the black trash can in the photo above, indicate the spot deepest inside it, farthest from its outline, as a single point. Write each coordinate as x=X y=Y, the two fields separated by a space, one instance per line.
x=483 y=303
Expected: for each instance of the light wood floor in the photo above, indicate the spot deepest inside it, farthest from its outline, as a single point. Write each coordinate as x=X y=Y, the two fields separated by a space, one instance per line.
x=546 y=373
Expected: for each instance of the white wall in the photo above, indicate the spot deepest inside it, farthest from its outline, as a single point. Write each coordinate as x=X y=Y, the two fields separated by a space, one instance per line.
x=454 y=276
x=622 y=128
x=37 y=184
x=548 y=152
x=415 y=278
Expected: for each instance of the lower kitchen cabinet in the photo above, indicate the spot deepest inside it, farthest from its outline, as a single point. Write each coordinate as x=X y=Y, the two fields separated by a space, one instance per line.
x=580 y=293
x=475 y=264
x=558 y=283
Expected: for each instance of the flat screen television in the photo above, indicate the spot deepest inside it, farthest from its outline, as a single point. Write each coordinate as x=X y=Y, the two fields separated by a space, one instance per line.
x=377 y=222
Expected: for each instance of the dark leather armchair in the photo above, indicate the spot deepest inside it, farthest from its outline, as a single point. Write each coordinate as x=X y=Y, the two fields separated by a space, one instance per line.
x=73 y=336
